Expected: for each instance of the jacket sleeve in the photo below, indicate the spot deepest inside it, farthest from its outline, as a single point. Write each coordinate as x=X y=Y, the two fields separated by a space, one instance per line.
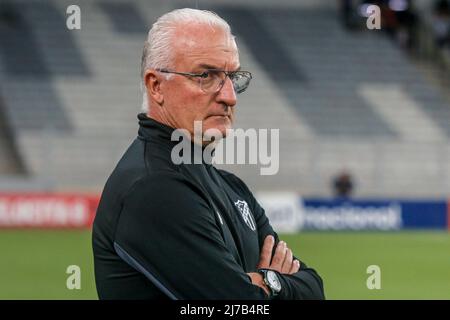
x=306 y=283
x=167 y=232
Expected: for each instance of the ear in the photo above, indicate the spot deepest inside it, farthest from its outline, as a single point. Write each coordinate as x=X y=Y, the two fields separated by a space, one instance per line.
x=152 y=81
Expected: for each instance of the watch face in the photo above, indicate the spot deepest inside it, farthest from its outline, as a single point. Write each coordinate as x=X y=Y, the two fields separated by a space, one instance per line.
x=273 y=281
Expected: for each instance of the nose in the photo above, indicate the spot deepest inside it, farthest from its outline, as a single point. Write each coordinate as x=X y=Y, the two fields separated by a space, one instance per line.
x=227 y=95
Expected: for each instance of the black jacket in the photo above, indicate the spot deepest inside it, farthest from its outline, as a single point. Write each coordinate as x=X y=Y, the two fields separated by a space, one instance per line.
x=165 y=230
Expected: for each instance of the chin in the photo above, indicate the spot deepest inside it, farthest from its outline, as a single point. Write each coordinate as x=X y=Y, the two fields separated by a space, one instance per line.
x=216 y=129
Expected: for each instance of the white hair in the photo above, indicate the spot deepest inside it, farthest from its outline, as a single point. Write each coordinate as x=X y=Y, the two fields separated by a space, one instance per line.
x=158 y=54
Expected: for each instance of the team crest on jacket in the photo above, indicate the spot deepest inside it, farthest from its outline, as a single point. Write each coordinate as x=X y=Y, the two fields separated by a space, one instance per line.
x=246 y=214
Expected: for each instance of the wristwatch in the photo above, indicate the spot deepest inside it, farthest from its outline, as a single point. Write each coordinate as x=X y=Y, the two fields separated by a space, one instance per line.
x=272 y=281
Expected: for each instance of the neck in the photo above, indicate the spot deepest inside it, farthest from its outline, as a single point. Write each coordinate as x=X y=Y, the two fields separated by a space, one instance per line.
x=158 y=113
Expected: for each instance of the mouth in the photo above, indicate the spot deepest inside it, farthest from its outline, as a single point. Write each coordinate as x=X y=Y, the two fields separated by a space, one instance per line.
x=219 y=116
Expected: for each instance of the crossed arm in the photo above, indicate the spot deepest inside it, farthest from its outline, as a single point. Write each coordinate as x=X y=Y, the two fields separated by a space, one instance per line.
x=283 y=261
x=188 y=234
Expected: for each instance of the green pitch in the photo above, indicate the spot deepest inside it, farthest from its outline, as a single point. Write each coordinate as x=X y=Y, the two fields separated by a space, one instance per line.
x=414 y=265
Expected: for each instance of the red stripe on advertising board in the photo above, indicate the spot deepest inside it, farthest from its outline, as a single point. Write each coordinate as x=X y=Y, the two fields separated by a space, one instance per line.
x=47 y=210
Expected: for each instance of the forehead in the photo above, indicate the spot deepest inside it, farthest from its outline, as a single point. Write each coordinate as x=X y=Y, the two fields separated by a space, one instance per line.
x=196 y=44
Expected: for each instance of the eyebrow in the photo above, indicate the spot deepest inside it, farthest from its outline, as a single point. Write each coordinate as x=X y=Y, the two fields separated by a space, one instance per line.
x=208 y=66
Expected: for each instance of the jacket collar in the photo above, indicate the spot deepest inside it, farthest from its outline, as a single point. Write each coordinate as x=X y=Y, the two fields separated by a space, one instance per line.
x=152 y=130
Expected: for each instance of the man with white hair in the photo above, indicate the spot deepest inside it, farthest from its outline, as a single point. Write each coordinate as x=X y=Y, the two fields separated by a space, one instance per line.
x=189 y=231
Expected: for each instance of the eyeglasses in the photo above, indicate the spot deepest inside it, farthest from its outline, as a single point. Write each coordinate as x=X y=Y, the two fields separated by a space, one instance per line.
x=212 y=80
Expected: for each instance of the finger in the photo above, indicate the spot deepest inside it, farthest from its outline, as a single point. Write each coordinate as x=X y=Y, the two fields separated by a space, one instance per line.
x=287 y=263
x=295 y=267
x=278 y=258
x=266 y=252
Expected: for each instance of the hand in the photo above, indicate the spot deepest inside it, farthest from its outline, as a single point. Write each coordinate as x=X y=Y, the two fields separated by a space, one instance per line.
x=282 y=260
x=257 y=280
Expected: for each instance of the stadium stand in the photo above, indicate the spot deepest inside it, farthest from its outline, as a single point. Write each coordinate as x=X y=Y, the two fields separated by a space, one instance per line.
x=341 y=99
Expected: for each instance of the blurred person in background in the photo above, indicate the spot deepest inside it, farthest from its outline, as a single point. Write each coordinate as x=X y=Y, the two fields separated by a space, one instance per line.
x=349 y=16
x=441 y=23
x=398 y=19
x=343 y=185
x=189 y=231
